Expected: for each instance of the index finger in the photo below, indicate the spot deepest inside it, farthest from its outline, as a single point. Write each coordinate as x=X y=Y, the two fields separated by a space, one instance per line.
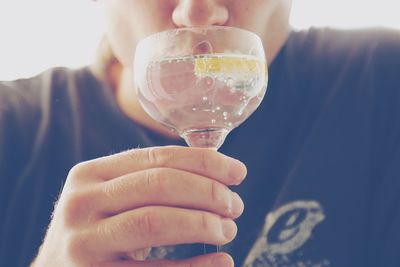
x=201 y=161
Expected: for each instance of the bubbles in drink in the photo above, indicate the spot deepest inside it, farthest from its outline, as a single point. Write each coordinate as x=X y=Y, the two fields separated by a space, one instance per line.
x=208 y=91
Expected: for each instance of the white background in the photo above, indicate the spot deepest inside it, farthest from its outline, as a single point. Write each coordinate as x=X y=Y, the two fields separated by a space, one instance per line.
x=36 y=35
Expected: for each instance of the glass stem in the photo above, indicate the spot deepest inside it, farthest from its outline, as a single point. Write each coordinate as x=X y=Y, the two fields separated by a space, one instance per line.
x=211 y=248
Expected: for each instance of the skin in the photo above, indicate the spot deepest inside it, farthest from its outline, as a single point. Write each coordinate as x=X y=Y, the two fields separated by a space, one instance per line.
x=113 y=209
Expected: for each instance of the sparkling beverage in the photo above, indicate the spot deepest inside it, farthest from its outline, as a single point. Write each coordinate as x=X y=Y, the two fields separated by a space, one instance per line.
x=202 y=97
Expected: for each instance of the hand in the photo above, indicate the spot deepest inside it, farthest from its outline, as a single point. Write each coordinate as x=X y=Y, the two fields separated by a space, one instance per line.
x=113 y=209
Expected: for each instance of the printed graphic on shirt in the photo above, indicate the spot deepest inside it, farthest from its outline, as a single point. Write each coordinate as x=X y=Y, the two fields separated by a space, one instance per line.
x=285 y=231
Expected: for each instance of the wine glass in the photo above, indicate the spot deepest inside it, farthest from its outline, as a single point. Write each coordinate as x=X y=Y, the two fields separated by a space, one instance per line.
x=201 y=82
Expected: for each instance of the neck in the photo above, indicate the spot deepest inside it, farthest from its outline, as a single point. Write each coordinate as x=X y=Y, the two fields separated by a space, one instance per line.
x=278 y=30
x=129 y=104
x=109 y=70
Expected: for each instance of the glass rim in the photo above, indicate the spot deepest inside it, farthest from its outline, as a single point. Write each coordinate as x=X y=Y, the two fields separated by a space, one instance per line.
x=200 y=29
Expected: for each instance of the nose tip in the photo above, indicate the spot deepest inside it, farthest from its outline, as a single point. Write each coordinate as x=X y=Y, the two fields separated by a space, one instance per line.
x=195 y=13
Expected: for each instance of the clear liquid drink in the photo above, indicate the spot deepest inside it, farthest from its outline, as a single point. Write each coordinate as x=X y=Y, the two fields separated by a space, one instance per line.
x=202 y=97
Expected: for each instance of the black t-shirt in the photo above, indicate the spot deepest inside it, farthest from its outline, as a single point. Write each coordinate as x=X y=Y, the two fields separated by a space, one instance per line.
x=322 y=152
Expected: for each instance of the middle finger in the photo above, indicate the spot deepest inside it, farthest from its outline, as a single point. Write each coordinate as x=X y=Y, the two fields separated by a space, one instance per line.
x=168 y=187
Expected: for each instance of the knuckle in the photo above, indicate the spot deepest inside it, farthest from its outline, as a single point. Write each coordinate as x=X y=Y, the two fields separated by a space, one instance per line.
x=76 y=247
x=218 y=195
x=111 y=190
x=156 y=180
x=206 y=222
x=215 y=192
x=151 y=155
x=80 y=170
x=204 y=160
x=210 y=161
x=148 y=224
x=110 y=233
x=156 y=155
x=161 y=156
x=76 y=206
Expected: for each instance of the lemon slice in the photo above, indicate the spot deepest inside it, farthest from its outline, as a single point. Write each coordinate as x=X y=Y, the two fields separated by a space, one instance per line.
x=214 y=65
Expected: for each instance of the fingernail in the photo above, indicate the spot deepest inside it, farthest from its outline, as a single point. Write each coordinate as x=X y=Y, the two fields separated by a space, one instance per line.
x=228 y=229
x=222 y=260
x=238 y=171
x=237 y=205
